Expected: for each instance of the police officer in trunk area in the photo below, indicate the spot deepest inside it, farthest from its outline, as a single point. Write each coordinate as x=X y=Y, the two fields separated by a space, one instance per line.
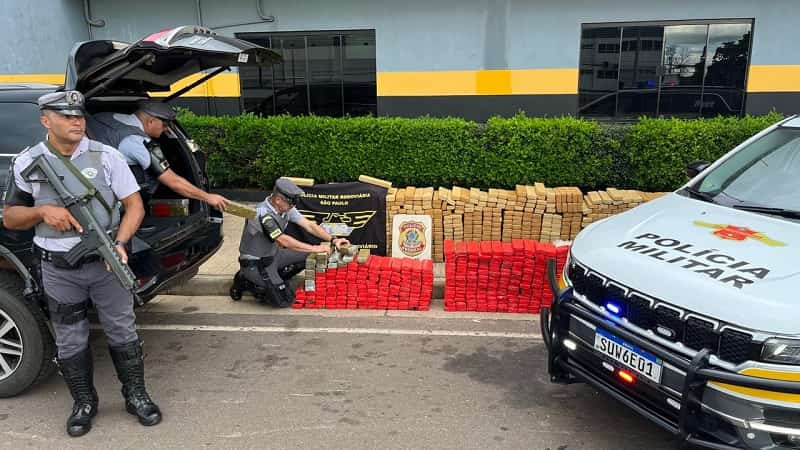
x=134 y=136
x=267 y=256
x=90 y=168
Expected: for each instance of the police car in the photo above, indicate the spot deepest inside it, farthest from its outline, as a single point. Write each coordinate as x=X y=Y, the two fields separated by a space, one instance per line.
x=177 y=234
x=687 y=308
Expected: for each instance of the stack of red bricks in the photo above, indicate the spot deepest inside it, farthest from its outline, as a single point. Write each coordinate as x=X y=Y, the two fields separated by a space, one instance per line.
x=380 y=283
x=492 y=276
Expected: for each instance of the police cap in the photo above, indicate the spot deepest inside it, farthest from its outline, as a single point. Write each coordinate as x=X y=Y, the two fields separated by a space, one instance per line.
x=288 y=189
x=68 y=103
x=157 y=109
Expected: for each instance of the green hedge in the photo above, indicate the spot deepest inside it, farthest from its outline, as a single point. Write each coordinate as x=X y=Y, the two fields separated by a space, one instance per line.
x=249 y=151
x=657 y=150
x=558 y=151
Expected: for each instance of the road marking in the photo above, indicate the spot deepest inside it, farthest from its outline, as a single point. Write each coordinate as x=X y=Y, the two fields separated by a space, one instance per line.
x=167 y=327
x=276 y=430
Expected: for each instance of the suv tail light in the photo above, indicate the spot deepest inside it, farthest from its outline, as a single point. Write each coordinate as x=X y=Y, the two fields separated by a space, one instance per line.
x=169 y=208
x=173 y=259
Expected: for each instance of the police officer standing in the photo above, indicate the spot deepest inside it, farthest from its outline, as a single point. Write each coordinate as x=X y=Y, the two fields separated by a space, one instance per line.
x=86 y=168
x=267 y=256
x=133 y=135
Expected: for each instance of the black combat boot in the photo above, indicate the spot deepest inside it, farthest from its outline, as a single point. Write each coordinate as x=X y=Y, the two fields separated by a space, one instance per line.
x=78 y=374
x=129 y=362
x=238 y=286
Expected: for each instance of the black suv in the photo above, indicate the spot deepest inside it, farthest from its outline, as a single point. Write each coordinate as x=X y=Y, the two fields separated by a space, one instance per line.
x=177 y=234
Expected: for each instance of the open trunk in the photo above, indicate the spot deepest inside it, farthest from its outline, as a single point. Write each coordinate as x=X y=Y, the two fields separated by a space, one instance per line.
x=177 y=234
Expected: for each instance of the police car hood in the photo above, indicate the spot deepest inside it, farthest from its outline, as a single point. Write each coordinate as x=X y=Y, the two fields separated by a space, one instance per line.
x=157 y=61
x=728 y=264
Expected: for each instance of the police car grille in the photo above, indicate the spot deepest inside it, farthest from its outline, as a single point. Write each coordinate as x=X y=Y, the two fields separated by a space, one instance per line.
x=640 y=312
x=694 y=332
x=668 y=320
x=700 y=334
x=735 y=346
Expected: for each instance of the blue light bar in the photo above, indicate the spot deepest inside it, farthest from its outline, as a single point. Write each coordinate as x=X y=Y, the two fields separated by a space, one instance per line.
x=613 y=308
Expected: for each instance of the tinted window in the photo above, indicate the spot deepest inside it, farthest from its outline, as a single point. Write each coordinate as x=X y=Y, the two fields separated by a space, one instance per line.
x=683 y=68
x=289 y=78
x=323 y=73
x=726 y=69
x=598 y=91
x=358 y=73
x=19 y=128
x=668 y=69
x=638 y=85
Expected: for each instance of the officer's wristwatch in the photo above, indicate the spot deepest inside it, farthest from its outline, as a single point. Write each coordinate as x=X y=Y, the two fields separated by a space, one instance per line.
x=123 y=244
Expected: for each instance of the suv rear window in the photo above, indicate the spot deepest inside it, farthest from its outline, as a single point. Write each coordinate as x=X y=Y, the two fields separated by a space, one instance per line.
x=19 y=128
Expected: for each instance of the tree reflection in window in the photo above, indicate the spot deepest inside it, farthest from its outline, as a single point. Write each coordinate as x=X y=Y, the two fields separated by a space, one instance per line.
x=687 y=69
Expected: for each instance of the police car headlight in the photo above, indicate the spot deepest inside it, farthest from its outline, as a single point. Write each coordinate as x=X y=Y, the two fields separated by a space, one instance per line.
x=563 y=280
x=782 y=351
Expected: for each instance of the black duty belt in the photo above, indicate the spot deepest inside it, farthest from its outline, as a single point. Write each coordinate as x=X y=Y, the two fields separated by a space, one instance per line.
x=250 y=262
x=259 y=263
x=58 y=260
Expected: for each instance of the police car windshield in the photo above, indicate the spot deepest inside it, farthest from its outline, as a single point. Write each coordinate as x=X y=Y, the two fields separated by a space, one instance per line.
x=765 y=174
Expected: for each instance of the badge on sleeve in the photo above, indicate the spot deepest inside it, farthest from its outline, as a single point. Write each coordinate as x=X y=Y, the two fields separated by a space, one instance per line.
x=271 y=228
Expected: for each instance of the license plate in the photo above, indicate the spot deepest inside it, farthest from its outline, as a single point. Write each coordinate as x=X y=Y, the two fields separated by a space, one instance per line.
x=629 y=355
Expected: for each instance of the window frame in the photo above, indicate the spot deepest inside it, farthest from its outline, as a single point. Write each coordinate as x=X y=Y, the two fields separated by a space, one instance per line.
x=620 y=25
x=341 y=37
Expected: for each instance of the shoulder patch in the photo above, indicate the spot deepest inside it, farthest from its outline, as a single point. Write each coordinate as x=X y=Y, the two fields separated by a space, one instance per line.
x=270 y=227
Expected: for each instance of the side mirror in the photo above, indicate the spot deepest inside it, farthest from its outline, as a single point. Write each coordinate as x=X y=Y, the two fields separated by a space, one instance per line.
x=695 y=167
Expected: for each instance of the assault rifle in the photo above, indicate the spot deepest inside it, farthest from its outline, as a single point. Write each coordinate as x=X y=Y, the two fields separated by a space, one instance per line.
x=93 y=238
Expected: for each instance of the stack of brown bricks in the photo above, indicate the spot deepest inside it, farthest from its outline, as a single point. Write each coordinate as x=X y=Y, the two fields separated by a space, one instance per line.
x=528 y=212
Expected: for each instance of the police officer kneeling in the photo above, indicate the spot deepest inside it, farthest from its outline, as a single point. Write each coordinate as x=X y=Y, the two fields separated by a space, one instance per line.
x=267 y=256
x=87 y=169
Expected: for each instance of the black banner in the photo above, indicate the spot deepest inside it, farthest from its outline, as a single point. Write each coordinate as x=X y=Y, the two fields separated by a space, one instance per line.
x=354 y=210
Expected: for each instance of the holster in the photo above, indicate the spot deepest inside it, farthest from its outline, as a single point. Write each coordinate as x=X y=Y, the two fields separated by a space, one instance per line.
x=57 y=259
x=67 y=314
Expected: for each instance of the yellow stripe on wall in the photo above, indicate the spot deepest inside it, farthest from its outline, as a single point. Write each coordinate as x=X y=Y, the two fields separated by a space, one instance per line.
x=761 y=78
x=48 y=78
x=478 y=82
x=222 y=85
x=774 y=78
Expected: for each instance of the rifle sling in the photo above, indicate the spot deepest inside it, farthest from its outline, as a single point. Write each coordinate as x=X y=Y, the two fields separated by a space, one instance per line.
x=92 y=192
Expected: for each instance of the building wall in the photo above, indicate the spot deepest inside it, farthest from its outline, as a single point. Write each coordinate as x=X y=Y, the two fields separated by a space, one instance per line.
x=37 y=36
x=470 y=58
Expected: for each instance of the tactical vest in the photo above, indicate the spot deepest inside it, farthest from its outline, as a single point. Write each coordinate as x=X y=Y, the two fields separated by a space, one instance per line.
x=105 y=128
x=254 y=242
x=88 y=163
